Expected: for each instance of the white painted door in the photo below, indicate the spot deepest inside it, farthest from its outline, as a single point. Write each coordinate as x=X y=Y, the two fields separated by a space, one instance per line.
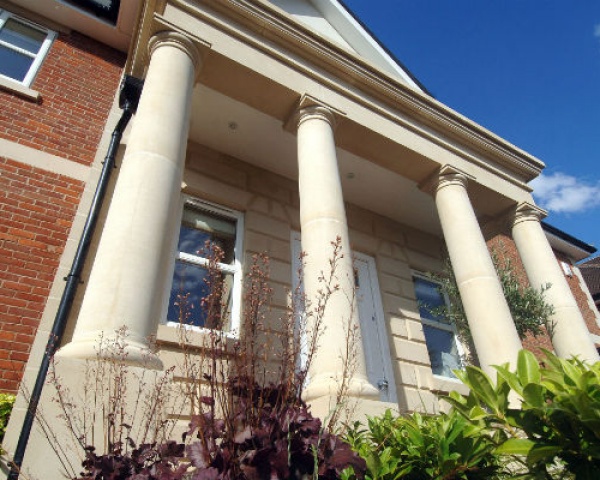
x=372 y=321
x=373 y=329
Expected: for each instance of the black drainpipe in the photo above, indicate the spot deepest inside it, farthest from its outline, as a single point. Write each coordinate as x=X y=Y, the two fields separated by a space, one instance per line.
x=129 y=96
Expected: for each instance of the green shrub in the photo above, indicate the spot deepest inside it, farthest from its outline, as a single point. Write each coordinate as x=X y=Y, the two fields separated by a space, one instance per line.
x=415 y=447
x=6 y=405
x=556 y=431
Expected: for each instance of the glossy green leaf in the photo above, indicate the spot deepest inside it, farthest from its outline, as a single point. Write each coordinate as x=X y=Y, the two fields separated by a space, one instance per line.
x=528 y=368
x=515 y=446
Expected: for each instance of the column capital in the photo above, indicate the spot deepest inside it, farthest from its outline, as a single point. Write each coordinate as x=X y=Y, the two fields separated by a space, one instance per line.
x=176 y=40
x=528 y=212
x=446 y=176
x=309 y=108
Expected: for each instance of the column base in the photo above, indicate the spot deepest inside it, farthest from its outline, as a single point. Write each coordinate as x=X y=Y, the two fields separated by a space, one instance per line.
x=327 y=386
x=360 y=409
x=114 y=346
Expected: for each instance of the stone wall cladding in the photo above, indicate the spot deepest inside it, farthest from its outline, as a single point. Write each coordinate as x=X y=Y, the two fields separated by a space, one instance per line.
x=77 y=83
x=271 y=207
x=36 y=212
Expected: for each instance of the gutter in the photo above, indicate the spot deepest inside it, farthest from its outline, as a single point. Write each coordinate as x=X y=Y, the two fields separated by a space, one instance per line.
x=129 y=96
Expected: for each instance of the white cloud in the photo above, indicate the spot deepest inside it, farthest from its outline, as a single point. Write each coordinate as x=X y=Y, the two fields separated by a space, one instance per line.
x=597 y=30
x=561 y=193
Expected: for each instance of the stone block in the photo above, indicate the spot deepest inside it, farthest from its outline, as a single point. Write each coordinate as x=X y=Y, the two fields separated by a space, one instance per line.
x=408 y=374
x=415 y=330
x=267 y=225
x=424 y=262
x=359 y=219
x=387 y=229
x=411 y=351
x=398 y=327
x=404 y=307
x=259 y=204
x=362 y=242
x=419 y=400
x=270 y=186
x=216 y=191
x=393 y=267
x=281 y=271
x=275 y=248
x=424 y=243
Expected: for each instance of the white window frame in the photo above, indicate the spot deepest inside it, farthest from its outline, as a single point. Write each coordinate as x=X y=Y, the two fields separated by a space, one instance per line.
x=235 y=269
x=38 y=58
x=451 y=327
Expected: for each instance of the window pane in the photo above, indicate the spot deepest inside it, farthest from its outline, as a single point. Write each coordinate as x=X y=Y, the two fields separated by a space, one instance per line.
x=429 y=298
x=22 y=35
x=442 y=351
x=190 y=286
x=14 y=64
x=199 y=226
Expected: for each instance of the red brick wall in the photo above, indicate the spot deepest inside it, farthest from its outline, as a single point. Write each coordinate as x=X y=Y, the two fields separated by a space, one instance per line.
x=77 y=83
x=36 y=213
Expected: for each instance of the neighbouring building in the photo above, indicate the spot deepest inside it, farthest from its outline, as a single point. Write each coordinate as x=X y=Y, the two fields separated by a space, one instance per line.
x=268 y=126
x=590 y=270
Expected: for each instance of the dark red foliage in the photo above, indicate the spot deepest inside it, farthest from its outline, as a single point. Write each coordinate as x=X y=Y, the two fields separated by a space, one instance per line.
x=278 y=439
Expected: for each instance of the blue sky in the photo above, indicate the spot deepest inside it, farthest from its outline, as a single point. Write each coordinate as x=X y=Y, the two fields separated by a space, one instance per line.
x=527 y=70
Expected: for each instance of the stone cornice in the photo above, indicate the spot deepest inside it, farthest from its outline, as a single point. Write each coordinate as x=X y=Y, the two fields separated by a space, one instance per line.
x=401 y=103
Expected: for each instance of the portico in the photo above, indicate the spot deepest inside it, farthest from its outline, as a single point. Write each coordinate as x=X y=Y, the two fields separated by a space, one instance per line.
x=344 y=139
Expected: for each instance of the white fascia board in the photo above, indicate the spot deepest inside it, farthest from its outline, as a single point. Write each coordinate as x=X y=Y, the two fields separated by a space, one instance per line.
x=575 y=253
x=360 y=40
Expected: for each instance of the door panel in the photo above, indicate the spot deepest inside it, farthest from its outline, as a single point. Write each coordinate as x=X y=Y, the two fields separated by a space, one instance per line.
x=373 y=329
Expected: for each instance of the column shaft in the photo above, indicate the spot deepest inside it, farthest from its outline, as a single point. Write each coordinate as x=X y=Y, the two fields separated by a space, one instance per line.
x=129 y=279
x=494 y=334
x=323 y=220
x=570 y=335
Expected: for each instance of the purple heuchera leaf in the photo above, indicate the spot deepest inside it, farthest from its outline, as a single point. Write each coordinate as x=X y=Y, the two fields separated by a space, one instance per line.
x=198 y=455
x=206 y=474
x=243 y=435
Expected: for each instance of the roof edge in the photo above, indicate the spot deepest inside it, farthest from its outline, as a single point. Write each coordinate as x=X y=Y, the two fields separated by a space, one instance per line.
x=388 y=52
x=570 y=240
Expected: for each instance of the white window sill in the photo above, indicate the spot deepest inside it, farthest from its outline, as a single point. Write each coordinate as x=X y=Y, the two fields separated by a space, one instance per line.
x=169 y=333
x=20 y=89
x=447 y=384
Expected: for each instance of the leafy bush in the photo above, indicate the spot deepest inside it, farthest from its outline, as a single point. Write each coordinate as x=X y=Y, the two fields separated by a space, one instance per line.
x=6 y=405
x=556 y=430
x=415 y=447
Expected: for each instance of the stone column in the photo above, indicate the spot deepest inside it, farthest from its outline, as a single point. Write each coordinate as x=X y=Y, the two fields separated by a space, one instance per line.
x=129 y=277
x=322 y=221
x=570 y=335
x=494 y=334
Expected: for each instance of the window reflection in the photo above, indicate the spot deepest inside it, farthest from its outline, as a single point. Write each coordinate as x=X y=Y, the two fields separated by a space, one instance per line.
x=201 y=231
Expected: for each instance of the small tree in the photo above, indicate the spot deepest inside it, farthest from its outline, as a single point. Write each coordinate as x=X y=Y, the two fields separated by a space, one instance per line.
x=528 y=307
